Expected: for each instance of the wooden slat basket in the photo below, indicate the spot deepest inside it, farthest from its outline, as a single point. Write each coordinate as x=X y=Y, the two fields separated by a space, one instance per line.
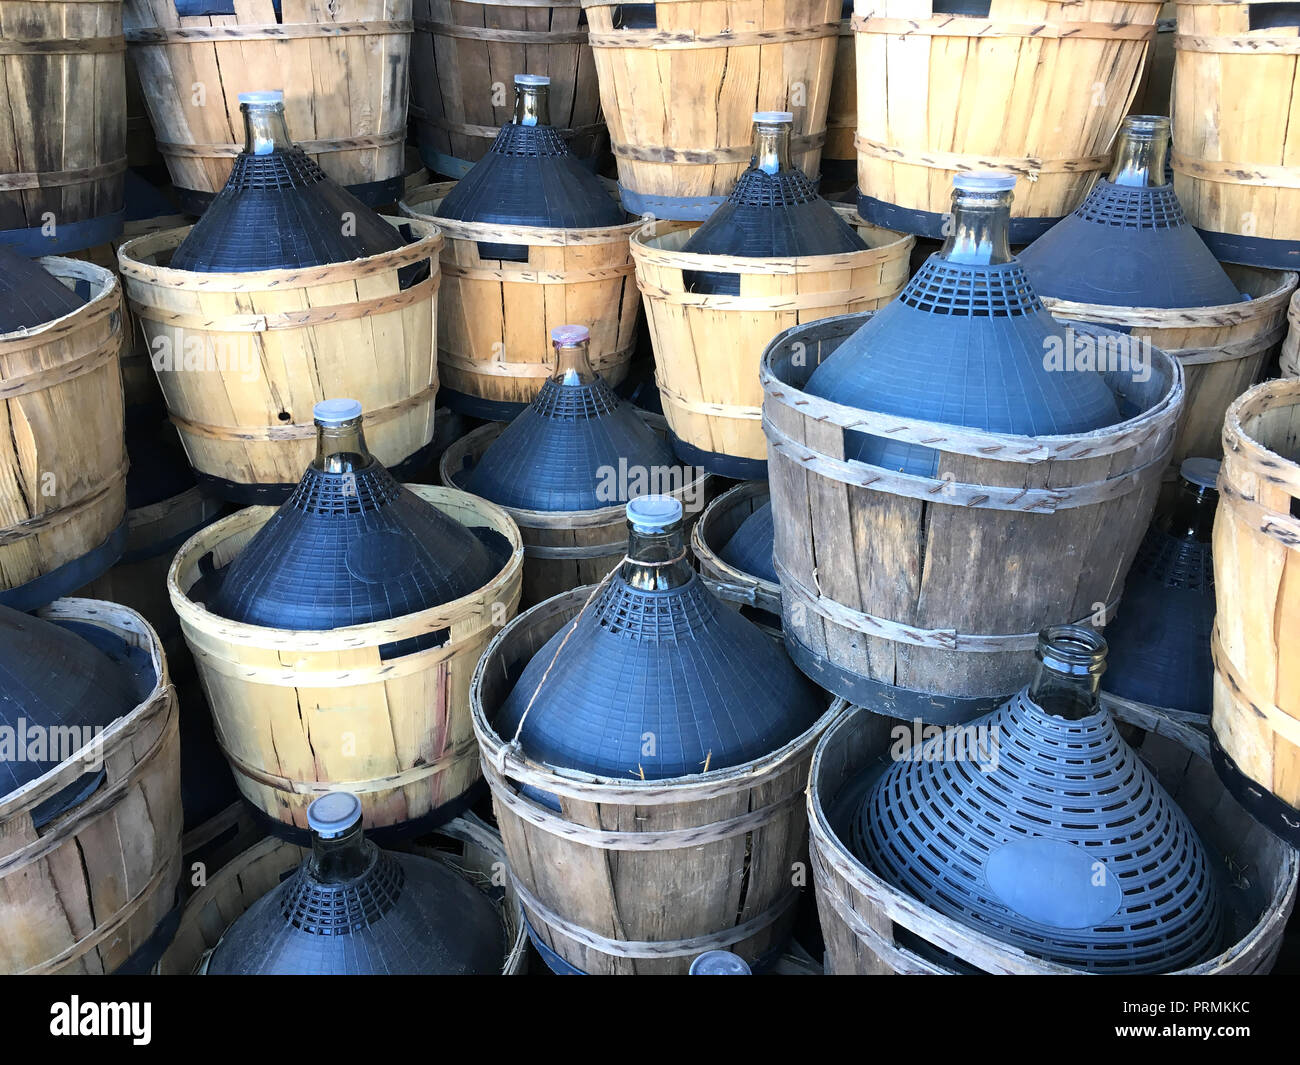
x=243 y=358
x=1037 y=89
x=756 y=598
x=63 y=152
x=1223 y=350
x=62 y=444
x=680 y=96
x=299 y=714
x=496 y=316
x=463 y=61
x=1289 y=360
x=567 y=549
x=342 y=65
x=1236 y=170
x=872 y=928
x=1256 y=643
x=87 y=892
x=922 y=597
x=639 y=877
x=476 y=852
x=707 y=346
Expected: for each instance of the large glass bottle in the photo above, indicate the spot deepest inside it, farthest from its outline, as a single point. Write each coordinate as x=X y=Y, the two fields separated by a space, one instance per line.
x=278 y=210
x=1129 y=243
x=577 y=446
x=968 y=343
x=1160 y=637
x=353 y=909
x=30 y=296
x=530 y=178
x=351 y=545
x=1037 y=824
x=773 y=211
x=658 y=678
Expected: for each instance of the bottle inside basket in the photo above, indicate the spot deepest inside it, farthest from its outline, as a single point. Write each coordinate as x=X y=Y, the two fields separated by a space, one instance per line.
x=30 y=295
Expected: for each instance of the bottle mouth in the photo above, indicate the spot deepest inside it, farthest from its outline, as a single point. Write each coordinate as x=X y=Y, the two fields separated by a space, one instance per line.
x=568 y=336
x=1074 y=650
x=654 y=514
x=332 y=413
x=1145 y=127
x=532 y=81
x=261 y=98
x=984 y=182
x=334 y=814
x=773 y=118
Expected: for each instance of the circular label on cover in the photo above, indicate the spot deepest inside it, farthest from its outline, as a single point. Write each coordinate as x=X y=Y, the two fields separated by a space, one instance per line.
x=1053 y=882
x=380 y=556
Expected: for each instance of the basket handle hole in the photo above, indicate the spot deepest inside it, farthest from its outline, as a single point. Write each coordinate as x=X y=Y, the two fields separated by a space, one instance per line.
x=634 y=17
x=1273 y=16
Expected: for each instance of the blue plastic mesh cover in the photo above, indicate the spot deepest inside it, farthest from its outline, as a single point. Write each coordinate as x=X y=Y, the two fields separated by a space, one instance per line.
x=346 y=549
x=280 y=211
x=530 y=178
x=1068 y=849
x=1127 y=246
x=52 y=677
x=29 y=295
x=658 y=684
x=565 y=450
x=963 y=345
x=1160 y=638
x=403 y=915
x=768 y=216
x=750 y=547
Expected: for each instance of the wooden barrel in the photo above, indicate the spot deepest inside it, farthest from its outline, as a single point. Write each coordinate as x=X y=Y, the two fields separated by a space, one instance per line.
x=1037 y=89
x=463 y=62
x=341 y=63
x=756 y=598
x=705 y=862
x=300 y=714
x=141 y=145
x=86 y=893
x=938 y=618
x=840 y=156
x=467 y=844
x=139 y=578
x=872 y=928
x=1289 y=360
x=243 y=358
x=680 y=95
x=707 y=347
x=63 y=153
x=1223 y=350
x=567 y=549
x=1236 y=170
x=63 y=448
x=496 y=316
x=1256 y=717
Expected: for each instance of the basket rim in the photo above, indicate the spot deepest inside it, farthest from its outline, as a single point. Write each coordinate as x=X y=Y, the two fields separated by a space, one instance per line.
x=91 y=310
x=349 y=637
x=591 y=787
x=1278 y=392
x=701 y=549
x=131 y=263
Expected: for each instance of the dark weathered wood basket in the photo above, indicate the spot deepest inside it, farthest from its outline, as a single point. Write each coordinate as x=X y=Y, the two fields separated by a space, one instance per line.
x=872 y=928
x=923 y=596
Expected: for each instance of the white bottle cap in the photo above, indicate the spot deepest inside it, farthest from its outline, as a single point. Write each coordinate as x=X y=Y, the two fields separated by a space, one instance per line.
x=264 y=97
x=767 y=118
x=532 y=79
x=569 y=335
x=984 y=181
x=653 y=514
x=333 y=814
x=719 y=963
x=1204 y=473
x=331 y=412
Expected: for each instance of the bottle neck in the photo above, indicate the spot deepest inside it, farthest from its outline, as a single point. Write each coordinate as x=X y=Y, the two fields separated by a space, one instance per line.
x=1190 y=516
x=657 y=561
x=265 y=130
x=1141 y=153
x=532 y=105
x=981 y=228
x=771 y=148
x=343 y=858
x=1071 y=660
x=573 y=364
x=341 y=448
